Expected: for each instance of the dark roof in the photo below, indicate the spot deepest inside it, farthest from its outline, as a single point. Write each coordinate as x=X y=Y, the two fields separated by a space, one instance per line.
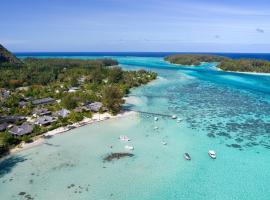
x=95 y=107
x=23 y=103
x=43 y=101
x=3 y=126
x=11 y=119
x=62 y=113
x=24 y=129
x=45 y=120
x=42 y=111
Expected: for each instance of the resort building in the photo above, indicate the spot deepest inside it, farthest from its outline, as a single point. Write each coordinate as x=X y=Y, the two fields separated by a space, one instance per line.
x=94 y=107
x=3 y=126
x=45 y=120
x=24 y=129
x=41 y=112
x=11 y=119
x=62 y=113
x=43 y=101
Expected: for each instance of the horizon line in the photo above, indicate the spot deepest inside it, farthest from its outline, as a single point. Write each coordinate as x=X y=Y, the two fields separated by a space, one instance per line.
x=181 y=52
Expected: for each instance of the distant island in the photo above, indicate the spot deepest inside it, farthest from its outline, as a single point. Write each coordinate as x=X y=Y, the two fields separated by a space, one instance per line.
x=224 y=63
x=41 y=95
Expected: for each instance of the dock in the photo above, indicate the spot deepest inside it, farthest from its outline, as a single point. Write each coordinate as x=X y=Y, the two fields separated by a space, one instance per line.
x=150 y=96
x=149 y=113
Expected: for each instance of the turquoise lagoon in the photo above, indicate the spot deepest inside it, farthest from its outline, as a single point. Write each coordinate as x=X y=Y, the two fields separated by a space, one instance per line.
x=227 y=112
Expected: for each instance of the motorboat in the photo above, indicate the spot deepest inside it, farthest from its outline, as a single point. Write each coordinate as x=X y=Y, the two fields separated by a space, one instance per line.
x=212 y=154
x=129 y=147
x=156 y=118
x=174 y=117
x=124 y=138
x=187 y=156
x=164 y=143
x=156 y=128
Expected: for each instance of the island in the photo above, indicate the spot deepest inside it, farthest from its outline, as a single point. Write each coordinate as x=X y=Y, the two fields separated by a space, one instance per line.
x=223 y=63
x=41 y=95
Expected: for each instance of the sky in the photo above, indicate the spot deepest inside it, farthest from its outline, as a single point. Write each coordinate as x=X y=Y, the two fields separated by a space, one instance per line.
x=135 y=25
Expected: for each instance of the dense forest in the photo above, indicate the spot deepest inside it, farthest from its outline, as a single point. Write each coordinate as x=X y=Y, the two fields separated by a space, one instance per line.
x=71 y=83
x=193 y=59
x=226 y=64
x=7 y=57
x=245 y=65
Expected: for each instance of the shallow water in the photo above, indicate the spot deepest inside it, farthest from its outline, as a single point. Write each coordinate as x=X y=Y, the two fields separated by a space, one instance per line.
x=227 y=112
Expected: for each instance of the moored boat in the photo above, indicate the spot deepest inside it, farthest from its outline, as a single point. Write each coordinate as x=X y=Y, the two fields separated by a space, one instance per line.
x=129 y=147
x=212 y=154
x=124 y=138
x=174 y=117
x=187 y=156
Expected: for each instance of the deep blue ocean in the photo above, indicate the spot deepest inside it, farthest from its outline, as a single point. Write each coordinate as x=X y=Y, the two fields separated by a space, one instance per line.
x=265 y=56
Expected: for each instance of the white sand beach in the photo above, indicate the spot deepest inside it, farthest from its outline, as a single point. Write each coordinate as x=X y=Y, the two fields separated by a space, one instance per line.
x=86 y=121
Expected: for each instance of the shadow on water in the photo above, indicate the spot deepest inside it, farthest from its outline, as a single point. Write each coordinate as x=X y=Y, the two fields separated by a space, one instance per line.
x=9 y=163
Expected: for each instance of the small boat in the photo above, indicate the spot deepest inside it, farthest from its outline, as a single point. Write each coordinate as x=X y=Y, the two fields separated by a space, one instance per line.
x=124 y=138
x=156 y=128
x=156 y=118
x=187 y=156
x=164 y=143
x=129 y=147
x=174 y=117
x=212 y=154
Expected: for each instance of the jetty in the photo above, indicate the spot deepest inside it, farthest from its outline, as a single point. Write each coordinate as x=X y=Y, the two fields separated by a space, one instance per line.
x=149 y=113
x=149 y=96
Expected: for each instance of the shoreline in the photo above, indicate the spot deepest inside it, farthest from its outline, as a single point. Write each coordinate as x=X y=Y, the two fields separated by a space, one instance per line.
x=249 y=73
x=86 y=121
x=238 y=72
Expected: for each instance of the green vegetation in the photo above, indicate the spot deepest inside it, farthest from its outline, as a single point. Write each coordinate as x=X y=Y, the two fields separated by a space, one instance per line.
x=246 y=65
x=193 y=59
x=7 y=58
x=226 y=64
x=71 y=82
x=112 y=99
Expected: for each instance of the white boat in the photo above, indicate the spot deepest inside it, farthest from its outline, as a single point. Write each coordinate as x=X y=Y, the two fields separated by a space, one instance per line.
x=187 y=156
x=124 y=138
x=156 y=128
x=212 y=154
x=129 y=147
x=164 y=143
x=156 y=118
x=174 y=117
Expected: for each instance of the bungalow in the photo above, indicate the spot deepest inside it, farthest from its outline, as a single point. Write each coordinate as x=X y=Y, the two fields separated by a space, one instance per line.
x=41 y=112
x=3 y=126
x=24 y=129
x=62 y=113
x=23 y=103
x=45 y=120
x=4 y=93
x=11 y=119
x=94 y=107
x=43 y=101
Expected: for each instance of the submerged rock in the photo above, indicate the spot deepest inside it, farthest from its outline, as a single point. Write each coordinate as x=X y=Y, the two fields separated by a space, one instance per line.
x=117 y=156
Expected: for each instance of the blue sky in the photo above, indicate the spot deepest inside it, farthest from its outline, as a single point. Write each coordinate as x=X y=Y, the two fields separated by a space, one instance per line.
x=136 y=25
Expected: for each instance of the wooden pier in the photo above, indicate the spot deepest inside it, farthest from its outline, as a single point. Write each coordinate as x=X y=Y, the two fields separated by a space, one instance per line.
x=149 y=96
x=149 y=113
